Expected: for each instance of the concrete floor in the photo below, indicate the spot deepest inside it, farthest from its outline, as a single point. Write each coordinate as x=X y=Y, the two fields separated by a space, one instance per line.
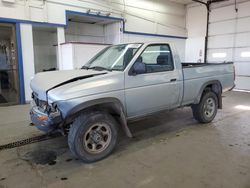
x=169 y=150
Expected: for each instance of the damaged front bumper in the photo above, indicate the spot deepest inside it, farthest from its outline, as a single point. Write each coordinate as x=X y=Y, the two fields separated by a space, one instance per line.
x=43 y=121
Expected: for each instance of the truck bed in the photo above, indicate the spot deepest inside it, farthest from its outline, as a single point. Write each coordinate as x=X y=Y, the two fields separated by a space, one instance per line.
x=195 y=74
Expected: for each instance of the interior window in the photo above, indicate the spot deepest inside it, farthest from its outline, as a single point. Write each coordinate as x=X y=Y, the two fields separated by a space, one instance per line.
x=157 y=58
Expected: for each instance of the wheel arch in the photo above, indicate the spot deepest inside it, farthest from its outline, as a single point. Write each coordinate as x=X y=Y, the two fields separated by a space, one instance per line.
x=215 y=86
x=110 y=105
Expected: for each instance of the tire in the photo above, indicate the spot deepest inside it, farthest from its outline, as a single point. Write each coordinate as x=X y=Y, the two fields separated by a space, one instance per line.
x=206 y=110
x=92 y=136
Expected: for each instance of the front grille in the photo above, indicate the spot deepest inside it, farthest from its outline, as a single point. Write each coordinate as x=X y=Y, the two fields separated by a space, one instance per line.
x=41 y=104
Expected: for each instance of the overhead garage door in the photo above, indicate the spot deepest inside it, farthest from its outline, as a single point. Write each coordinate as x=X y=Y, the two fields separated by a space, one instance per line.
x=229 y=40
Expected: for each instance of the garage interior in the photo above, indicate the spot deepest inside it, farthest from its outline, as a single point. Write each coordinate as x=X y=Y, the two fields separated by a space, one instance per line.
x=168 y=149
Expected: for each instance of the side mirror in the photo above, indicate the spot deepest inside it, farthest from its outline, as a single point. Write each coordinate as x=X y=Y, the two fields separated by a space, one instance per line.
x=139 y=68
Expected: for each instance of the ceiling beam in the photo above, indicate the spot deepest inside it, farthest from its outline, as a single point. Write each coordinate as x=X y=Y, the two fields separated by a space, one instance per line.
x=198 y=1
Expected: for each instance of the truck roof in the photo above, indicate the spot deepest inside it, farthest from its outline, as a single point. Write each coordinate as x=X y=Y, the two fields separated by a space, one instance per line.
x=147 y=43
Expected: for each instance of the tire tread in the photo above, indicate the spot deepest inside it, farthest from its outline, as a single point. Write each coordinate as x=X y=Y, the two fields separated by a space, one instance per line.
x=76 y=126
x=197 y=108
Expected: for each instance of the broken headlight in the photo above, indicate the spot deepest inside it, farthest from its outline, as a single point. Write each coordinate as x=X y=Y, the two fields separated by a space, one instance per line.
x=53 y=107
x=43 y=105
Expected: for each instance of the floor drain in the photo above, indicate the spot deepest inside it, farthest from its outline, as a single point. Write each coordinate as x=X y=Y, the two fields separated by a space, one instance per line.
x=28 y=141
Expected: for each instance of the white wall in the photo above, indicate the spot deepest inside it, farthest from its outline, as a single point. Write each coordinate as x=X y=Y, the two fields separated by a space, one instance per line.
x=45 y=56
x=146 y=16
x=60 y=40
x=93 y=33
x=159 y=17
x=28 y=57
x=112 y=34
x=83 y=32
x=196 y=20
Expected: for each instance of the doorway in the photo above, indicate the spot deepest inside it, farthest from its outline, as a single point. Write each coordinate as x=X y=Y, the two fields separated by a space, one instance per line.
x=44 y=40
x=9 y=83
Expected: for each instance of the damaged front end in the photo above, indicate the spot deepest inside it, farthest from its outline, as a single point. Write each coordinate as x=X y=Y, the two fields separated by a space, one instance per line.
x=44 y=113
x=44 y=116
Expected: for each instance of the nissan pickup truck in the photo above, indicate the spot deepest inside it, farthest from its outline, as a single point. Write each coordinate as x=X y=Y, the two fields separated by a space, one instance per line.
x=122 y=83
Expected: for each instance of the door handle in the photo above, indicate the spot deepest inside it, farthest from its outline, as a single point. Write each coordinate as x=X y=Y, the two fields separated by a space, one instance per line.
x=173 y=80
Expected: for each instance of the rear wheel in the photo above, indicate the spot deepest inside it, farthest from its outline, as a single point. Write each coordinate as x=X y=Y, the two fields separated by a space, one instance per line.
x=206 y=110
x=92 y=136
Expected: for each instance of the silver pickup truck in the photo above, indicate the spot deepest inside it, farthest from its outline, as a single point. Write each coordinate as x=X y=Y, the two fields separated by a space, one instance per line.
x=121 y=83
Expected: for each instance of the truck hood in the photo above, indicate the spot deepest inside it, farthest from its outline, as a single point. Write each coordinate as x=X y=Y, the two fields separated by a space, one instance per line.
x=45 y=81
x=111 y=82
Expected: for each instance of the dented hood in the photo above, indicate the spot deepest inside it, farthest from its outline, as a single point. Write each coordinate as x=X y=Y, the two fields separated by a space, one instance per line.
x=45 y=81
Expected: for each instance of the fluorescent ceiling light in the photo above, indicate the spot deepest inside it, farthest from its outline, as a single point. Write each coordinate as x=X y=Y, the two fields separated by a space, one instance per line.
x=219 y=55
x=245 y=54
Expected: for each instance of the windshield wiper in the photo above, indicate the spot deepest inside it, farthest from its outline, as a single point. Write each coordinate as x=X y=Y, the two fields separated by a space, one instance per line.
x=85 y=67
x=98 y=68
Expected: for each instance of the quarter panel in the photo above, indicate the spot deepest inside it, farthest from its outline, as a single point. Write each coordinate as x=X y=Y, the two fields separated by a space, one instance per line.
x=196 y=77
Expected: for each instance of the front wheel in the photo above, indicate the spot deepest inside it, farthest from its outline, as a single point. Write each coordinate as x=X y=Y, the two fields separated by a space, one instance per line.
x=206 y=110
x=92 y=136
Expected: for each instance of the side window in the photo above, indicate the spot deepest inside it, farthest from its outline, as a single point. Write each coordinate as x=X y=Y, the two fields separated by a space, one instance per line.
x=157 y=58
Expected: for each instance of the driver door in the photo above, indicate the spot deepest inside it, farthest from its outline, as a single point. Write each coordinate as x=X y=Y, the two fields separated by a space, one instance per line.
x=157 y=88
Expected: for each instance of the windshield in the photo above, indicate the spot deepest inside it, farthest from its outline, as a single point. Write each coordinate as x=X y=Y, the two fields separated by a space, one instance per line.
x=115 y=57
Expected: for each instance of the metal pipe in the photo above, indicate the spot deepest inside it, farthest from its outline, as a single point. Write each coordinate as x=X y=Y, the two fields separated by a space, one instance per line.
x=206 y=37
